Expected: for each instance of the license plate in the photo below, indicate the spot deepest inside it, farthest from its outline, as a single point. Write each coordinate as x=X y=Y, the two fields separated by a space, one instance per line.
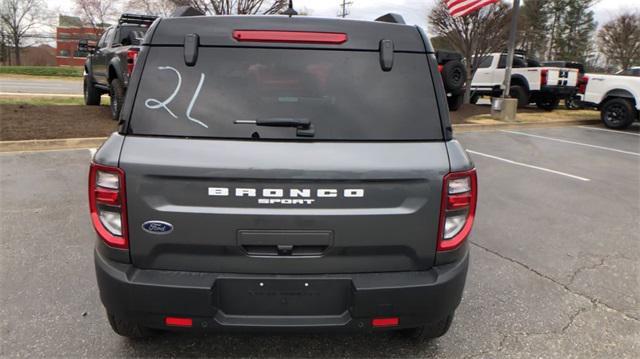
x=282 y=296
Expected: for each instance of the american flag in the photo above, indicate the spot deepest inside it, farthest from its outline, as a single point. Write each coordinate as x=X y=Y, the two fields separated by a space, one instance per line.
x=464 y=7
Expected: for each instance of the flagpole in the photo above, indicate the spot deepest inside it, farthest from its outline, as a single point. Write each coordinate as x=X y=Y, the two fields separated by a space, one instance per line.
x=511 y=48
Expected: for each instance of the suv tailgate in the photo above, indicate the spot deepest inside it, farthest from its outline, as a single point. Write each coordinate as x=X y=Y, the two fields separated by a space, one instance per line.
x=387 y=220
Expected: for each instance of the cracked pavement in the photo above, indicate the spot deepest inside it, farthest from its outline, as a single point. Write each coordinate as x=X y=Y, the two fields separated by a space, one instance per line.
x=554 y=263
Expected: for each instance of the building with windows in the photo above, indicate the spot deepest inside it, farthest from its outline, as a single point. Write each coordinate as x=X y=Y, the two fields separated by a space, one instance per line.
x=70 y=30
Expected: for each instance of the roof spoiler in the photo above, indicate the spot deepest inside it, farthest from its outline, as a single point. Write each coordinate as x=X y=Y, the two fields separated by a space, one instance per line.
x=181 y=11
x=136 y=19
x=392 y=18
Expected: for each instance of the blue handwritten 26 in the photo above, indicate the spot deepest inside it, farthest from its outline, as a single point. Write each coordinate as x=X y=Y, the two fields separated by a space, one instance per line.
x=155 y=104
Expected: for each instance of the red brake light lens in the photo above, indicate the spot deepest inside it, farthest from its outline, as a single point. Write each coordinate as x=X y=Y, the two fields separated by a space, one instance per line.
x=385 y=322
x=582 y=86
x=544 y=75
x=178 y=322
x=107 y=204
x=290 y=36
x=458 y=208
x=132 y=57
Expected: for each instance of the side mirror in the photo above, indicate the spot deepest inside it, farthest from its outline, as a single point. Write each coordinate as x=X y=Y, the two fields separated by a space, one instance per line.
x=85 y=46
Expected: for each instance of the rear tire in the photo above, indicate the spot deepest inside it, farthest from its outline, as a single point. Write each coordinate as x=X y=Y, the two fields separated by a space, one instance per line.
x=455 y=102
x=521 y=94
x=91 y=94
x=474 y=99
x=618 y=113
x=129 y=329
x=116 y=93
x=428 y=331
x=572 y=103
x=547 y=102
x=453 y=75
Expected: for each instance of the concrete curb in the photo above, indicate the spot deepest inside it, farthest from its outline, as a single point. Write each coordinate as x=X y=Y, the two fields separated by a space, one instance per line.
x=472 y=127
x=35 y=94
x=93 y=142
x=51 y=145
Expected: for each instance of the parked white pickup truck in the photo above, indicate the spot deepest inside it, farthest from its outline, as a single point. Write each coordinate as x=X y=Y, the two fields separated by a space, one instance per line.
x=530 y=82
x=617 y=97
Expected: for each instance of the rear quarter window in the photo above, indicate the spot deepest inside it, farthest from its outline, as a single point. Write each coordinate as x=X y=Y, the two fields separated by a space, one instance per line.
x=345 y=94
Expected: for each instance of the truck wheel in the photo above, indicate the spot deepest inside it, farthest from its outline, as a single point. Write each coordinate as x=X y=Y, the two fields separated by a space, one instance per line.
x=618 y=113
x=428 y=331
x=453 y=75
x=91 y=94
x=455 y=102
x=129 y=329
x=116 y=93
x=572 y=103
x=474 y=99
x=547 y=102
x=520 y=93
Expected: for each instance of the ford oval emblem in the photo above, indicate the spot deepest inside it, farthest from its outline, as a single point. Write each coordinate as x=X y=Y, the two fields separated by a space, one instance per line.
x=157 y=227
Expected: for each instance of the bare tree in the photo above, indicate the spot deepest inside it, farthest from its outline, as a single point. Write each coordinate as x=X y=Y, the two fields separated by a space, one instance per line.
x=97 y=12
x=153 y=7
x=237 y=7
x=619 y=40
x=474 y=35
x=18 y=17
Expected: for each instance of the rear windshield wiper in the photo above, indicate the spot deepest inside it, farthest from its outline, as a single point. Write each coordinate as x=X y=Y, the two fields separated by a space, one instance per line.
x=303 y=125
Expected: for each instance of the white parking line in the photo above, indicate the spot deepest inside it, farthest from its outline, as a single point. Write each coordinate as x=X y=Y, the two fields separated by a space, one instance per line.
x=606 y=130
x=529 y=166
x=572 y=142
x=37 y=94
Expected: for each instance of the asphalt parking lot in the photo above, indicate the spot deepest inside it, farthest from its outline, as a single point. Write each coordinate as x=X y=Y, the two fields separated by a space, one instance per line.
x=35 y=85
x=554 y=271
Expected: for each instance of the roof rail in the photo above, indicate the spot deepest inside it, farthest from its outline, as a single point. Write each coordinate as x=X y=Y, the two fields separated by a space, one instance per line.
x=136 y=19
x=392 y=18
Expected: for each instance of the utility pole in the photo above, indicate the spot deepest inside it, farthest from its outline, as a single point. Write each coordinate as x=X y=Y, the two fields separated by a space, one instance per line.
x=512 y=46
x=344 y=8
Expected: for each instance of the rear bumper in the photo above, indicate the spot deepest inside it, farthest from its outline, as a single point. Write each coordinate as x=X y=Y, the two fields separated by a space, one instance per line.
x=560 y=90
x=296 y=302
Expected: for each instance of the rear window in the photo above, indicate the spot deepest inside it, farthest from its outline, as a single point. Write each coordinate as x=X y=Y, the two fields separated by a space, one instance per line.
x=344 y=94
x=128 y=35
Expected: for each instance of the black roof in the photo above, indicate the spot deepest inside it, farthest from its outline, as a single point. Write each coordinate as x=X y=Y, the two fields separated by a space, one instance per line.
x=218 y=30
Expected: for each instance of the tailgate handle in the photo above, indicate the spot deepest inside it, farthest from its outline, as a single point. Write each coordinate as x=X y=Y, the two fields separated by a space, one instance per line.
x=284 y=242
x=284 y=249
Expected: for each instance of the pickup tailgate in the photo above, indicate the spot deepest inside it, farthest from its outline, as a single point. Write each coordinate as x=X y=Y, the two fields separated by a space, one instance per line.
x=562 y=77
x=283 y=207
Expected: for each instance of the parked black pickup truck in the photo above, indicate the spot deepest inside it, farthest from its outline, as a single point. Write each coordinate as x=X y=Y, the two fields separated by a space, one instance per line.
x=111 y=60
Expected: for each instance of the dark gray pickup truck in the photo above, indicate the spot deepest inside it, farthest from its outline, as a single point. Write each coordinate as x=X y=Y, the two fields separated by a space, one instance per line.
x=283 y=173
x=111 y=61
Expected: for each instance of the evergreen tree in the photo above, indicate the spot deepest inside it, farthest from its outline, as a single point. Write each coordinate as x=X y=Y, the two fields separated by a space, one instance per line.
x=533 y=24
x=574 y=40
x=557 y=10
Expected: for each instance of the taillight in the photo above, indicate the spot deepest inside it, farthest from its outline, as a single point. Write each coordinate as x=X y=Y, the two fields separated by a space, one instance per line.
x=458 y=208
x=290 y=36
x=132 y=57
x=107 y=204
x=582 y=86
x=440 y=68
x=544 y=75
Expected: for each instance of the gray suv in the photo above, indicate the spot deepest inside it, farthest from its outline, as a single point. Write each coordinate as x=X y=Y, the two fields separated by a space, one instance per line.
x=283 y=173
